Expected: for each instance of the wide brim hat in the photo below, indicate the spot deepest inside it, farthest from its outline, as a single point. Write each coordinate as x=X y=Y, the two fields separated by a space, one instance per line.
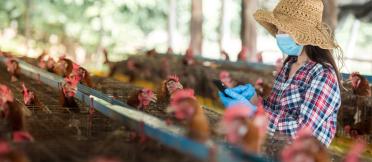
x=301 y=19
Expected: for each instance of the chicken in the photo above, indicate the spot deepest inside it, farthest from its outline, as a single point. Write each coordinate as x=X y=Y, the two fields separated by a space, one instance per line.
x=262 y=88
x=112 y=66
x=30 y=98
x=355 y=152
x=360 y=87
x=168 y=87
x=13 y=115
x=226 y=79
x=189 y=59
x=305 y=148
x=41 y=60
x=242 y=56
x=82 y=75
x=67 y=93
x=244 y=128
x=63 y=67
x=13 y=69
x=225 y=56
x=9 y=154
x=142 y=99
x=186 y=108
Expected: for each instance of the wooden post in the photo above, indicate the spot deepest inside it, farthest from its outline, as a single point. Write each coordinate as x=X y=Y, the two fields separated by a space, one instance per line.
x=330 y=13
x=172 y=22
x=248 y=27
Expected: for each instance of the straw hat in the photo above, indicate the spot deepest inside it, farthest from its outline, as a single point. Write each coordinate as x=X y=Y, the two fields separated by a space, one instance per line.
x=302 y=19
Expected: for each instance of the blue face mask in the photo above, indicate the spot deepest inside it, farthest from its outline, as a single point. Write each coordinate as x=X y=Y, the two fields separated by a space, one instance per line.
x=287 y=45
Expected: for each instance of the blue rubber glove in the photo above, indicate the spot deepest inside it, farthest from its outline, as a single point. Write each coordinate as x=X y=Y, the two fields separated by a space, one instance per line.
x=234 y=99
x=247 y=91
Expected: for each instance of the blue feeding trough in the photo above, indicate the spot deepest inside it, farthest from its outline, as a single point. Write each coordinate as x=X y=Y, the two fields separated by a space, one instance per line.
x=151 y=126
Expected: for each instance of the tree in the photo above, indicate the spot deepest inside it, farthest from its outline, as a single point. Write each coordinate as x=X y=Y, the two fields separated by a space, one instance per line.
x=172 y=22
x=330 y=13
x=248 y=27
x=196 y=26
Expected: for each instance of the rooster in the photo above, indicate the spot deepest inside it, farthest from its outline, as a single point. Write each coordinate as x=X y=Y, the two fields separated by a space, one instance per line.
x=186 y=108
x=262 y=88
x=244 y=128
x=13 y=69
x=360 y=87
x=242 y=56
x=142 y=99
x=305 y=148
x=168 y=87
x=225 y=56
x=67 y=93
x=13 y=115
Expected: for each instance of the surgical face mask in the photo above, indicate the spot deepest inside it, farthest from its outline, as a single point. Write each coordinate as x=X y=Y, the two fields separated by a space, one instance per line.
x=287 y=45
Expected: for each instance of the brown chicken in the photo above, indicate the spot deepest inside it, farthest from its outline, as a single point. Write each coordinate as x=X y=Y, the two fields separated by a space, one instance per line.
x=13 y=69
x=30 y=99
x=9 y=154
x=305 y=148
x=12 y=114
x=226 y=79
x=189 y=58
x=142 y=99
x=362 y=124
x=186 y=108
x=244 y=128
x=63 y=67
x=168 y=87
x=82 y=75
x=360 y=85
x=67 y=93
x=46 y=62
x=262 y=88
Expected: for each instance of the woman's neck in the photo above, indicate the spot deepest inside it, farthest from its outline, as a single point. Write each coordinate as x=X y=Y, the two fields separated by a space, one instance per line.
x=302 y=59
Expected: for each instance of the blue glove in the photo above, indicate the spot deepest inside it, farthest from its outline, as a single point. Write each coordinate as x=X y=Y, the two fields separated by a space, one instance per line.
x=234 y=98
x=247 y=91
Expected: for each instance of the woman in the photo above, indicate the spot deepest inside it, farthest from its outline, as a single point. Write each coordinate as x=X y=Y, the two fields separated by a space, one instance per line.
x=306 y=92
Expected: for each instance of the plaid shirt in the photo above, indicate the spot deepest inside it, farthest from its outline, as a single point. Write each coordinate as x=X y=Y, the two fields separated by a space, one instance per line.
x=311 y=98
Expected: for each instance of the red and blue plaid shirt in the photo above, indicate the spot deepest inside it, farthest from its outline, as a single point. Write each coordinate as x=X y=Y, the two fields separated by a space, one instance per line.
x=311 y=98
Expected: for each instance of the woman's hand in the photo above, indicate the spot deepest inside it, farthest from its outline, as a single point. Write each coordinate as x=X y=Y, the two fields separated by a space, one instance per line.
x=247 y=91
x=234 y=98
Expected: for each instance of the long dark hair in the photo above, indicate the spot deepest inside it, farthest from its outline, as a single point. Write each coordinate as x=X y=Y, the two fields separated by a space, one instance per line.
x=323 y=57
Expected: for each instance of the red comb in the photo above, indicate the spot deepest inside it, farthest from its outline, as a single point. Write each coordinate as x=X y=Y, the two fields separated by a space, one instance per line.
x=22 y=136
x=4 y=147
x=259 y=81
x=174 y=78
x=75 y=66
x=224 y=73
x=182 y=94
x=236 y=111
